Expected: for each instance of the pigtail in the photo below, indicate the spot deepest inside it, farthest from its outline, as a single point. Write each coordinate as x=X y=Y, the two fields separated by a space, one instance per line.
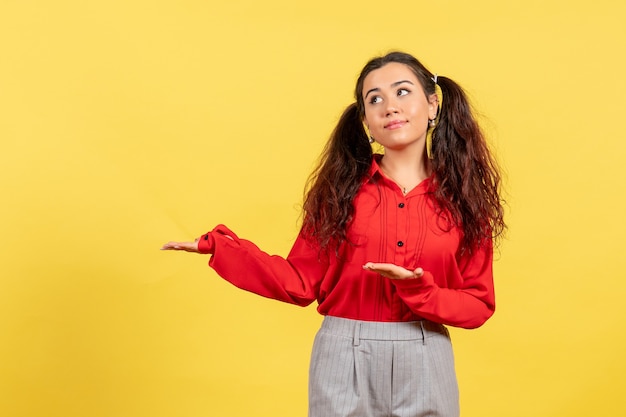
x=333 y=185
x=467 y=178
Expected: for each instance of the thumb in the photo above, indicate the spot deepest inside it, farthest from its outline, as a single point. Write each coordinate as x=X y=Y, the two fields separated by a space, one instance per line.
x=418 y=272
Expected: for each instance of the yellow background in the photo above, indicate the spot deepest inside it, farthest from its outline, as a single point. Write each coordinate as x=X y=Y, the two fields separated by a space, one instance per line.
x=128 y=123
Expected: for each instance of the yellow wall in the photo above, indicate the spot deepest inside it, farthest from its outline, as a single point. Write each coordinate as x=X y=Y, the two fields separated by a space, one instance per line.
x=127 y=123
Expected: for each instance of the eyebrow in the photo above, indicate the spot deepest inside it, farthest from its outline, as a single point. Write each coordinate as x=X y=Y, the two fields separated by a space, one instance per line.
x=397 y=83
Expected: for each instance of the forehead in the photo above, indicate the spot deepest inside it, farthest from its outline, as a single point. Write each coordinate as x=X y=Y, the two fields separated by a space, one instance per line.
x=388 y=74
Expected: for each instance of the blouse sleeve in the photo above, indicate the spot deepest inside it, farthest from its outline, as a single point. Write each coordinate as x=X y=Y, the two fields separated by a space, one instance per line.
x=467 y=304
x=294 y=279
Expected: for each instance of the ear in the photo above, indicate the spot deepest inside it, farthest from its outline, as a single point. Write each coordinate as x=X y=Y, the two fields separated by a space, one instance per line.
x=433 y=106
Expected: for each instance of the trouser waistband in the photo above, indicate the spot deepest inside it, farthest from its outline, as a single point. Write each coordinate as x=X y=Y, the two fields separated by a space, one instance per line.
x=374 y=330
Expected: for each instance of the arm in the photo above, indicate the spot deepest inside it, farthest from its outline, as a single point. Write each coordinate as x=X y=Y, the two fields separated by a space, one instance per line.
x=468 y=305
x=294 y=279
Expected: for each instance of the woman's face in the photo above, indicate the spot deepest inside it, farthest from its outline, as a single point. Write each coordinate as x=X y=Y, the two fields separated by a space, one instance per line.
x=396 y=108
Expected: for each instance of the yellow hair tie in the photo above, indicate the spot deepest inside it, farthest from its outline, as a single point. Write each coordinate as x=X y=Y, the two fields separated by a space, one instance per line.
x=435 y=121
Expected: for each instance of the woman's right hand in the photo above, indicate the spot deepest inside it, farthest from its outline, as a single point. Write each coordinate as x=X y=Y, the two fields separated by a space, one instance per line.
x=184 y=246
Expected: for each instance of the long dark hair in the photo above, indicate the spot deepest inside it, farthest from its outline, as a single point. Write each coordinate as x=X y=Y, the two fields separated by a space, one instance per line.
x=466 y=179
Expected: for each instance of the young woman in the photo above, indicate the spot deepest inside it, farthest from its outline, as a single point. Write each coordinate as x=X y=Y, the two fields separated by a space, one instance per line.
x=393 y=246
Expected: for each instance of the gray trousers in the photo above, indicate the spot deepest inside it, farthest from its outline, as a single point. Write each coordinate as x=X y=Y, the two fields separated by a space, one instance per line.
x=379 y=369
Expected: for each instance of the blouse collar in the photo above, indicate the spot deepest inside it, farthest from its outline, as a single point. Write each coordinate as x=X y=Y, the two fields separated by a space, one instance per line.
x=376 y=173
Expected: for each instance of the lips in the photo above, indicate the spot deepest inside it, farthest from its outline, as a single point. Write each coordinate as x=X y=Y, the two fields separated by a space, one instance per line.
x=396 y=124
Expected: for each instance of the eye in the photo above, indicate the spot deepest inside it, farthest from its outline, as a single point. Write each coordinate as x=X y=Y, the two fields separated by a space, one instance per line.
x=403 y=92
x=375 y=99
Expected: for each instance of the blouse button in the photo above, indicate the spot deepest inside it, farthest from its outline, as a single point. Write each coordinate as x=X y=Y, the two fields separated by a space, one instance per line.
x=400 y=243
x=401 y=205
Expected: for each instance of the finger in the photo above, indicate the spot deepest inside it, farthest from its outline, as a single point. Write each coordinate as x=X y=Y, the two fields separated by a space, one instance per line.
x=176 y=246
x=169 y=246
x=379 y=266
x=392 y=271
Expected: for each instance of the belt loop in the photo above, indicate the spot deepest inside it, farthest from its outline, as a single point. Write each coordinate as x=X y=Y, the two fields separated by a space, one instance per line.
x=356 y=341
x=423 y=332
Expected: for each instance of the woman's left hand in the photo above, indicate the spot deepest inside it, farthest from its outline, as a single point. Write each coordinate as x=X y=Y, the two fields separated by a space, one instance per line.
x=392 y=271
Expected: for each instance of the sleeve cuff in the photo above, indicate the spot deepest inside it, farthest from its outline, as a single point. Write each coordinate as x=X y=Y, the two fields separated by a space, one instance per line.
x=206 y=243
x=425 y=281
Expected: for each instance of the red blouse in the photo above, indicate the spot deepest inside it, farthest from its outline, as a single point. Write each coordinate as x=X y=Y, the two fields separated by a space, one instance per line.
x=455 y=289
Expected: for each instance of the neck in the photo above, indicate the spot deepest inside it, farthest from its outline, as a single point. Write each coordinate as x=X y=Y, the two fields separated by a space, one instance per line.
x=406 y=167
x=410 y=166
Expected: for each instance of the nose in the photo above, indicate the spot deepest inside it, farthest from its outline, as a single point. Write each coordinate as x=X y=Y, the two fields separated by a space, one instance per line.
x=392 y=107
